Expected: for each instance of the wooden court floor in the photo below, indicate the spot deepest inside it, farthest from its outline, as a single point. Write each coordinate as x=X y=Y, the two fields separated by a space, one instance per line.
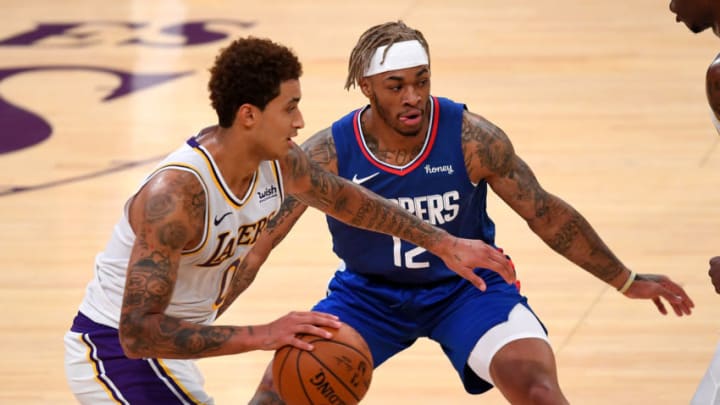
x=605 y=100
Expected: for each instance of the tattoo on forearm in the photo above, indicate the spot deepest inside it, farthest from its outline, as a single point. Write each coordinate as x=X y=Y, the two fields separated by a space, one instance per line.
x=241 y=280
x=286 y=208
x=565 y=236
x=577 y=235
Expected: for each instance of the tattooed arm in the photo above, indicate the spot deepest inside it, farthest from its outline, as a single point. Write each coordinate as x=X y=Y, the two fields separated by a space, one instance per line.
x=489 y=156
x=168 y=215
x=360 y=207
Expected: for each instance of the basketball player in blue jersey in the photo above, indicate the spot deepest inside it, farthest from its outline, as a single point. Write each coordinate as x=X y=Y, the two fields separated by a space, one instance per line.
x=698 y=16
x=173 y=260
x=434 y=158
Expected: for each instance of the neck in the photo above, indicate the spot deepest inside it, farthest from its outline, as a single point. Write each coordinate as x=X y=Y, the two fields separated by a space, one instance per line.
x=236 y=162
x=389 y=145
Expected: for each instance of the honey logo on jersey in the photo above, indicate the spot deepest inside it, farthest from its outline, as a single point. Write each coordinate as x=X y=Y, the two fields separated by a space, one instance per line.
x=439 y=169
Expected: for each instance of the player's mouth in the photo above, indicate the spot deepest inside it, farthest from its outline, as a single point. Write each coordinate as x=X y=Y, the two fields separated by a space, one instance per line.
x=411 y=119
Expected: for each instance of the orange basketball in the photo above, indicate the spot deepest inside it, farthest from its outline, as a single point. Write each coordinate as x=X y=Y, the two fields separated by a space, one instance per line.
x=338 y=371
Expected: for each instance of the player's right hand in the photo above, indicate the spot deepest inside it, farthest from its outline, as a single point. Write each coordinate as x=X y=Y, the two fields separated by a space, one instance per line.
x=465 y=255
x=284 y=330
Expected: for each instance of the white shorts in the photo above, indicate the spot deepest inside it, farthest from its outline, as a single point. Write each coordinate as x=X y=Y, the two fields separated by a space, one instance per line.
x=98 y=372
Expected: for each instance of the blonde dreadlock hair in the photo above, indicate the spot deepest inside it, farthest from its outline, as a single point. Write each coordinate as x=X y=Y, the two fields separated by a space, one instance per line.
x=375 y=37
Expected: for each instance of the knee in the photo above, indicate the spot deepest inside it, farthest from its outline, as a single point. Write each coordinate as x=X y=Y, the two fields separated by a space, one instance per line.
x=531 y=389
x=525 y=372
x=543 y=393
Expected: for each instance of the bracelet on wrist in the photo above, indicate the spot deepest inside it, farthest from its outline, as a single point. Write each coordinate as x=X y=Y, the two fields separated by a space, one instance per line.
x=623 y=289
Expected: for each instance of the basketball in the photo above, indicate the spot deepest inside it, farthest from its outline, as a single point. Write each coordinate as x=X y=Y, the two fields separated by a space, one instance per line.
x=338 y=371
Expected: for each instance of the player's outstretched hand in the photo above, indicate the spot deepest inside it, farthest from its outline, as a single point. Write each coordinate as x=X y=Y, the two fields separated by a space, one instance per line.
x=284 y=330
x=714 y=273
x=658 y=287
x=465 y=255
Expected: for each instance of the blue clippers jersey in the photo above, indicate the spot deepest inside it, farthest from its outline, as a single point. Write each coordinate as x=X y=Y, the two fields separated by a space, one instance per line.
x=434 y=186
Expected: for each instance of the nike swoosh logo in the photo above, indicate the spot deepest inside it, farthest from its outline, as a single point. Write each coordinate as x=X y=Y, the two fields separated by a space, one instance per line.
x=217 y=221
x=362 y=180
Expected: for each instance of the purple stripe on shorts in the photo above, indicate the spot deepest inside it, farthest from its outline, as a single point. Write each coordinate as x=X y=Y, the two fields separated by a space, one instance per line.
x=171 y=380
x=134 y=378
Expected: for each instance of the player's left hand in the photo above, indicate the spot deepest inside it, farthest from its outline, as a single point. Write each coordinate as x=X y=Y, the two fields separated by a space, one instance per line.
x=657 y=287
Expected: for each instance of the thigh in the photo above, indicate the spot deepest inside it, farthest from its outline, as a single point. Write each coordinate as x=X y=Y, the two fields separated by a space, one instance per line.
x=471 y=315
x=375 y=310
x=515 y=354
x=99 y=373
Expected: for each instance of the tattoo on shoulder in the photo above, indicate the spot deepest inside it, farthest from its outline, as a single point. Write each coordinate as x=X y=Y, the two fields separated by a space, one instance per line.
x=320 y=148
x=485 y=146
x=183 y=191
x=158 y=206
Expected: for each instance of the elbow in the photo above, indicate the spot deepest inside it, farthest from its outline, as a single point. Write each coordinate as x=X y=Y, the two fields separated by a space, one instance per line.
x=131 y=336
x=128 y=345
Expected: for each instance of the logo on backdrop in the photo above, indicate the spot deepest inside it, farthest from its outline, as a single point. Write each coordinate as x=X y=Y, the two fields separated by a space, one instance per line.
x=23 y=128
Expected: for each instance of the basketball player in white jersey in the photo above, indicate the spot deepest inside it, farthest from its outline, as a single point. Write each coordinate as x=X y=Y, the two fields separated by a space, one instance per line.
x=173 y=260
x=699 y=15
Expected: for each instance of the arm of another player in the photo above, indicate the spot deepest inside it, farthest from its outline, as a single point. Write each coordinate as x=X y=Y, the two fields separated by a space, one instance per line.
x=714 y=273
x=167 y=215
x=489 y=155
x=362 y=208
x=712 y=87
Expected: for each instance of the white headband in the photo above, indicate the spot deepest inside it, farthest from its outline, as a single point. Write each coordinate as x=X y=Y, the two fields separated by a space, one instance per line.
x=401 y=55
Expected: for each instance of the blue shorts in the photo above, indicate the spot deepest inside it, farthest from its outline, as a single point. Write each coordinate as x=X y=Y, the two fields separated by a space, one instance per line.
x=390 y=316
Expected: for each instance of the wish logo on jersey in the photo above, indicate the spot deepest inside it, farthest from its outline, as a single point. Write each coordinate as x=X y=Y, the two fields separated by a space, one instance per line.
x=269 y=192
x=436 y=209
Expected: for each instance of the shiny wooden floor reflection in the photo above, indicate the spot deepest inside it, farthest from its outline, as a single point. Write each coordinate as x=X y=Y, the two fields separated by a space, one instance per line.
x=604 y=100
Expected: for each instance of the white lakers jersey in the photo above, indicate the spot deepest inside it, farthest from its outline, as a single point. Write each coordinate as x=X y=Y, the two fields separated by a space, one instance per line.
x=232 y=225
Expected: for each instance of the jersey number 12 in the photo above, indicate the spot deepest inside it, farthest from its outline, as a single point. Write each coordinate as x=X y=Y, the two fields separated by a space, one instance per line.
x=407 y=259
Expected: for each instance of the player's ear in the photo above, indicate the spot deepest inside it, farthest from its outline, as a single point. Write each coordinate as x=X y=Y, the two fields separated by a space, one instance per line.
x=365 y=86
x=246 y=115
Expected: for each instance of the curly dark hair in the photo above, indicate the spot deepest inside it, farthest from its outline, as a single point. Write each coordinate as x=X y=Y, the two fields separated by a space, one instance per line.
x=379 y=35
x=249 y=71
